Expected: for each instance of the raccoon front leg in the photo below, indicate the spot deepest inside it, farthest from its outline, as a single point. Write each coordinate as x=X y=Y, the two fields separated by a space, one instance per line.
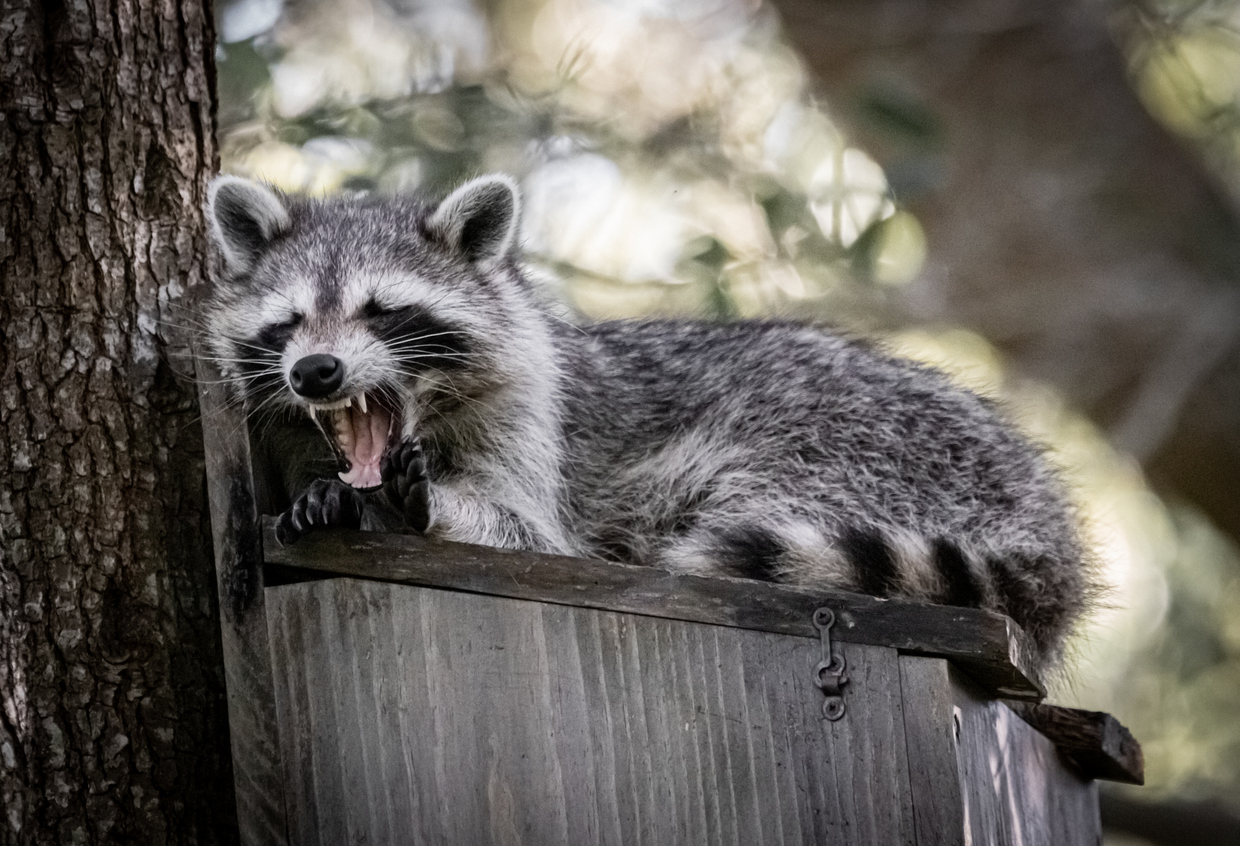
x=327 y=502
x=406 y=484
x=457 y=512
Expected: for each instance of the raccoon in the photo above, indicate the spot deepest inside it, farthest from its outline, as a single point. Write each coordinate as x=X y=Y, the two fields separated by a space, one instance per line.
x=405 y=373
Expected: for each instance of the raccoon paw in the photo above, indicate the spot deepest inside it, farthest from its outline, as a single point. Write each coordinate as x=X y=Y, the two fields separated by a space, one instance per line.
x=405 y=483
x=327 y=502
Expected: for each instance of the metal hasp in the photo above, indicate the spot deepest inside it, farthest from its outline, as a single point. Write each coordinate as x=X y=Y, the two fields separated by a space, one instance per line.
x=829 y=675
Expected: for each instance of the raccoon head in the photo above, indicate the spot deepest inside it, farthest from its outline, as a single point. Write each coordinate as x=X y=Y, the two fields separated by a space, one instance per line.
x=367 y=315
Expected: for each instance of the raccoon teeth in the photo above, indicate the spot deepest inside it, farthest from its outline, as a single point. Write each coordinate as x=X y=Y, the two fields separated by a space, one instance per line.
x=361 y=402
x=348 y=402
x=314 y=407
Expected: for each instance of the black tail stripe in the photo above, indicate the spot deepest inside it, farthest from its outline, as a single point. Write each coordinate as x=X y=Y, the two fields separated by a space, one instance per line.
x=872 y=558
x=751 y=553
x=1018 y=594
x=960 y=585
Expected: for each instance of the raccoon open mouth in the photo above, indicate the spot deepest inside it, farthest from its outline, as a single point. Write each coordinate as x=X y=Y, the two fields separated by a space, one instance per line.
x=361 y=432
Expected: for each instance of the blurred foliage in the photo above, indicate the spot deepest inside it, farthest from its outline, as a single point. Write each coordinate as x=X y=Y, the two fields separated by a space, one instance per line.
x=672 y=161
x=1184 y=58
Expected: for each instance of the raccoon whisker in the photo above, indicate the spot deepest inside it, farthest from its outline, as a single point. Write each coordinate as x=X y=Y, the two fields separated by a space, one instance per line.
x=421 y=344
x=262 y=418
x=453 y=391
x=414 y=358
x=184 y=310
x=287 y=298
x=242 y=378
x=270 y=417
x=436 y=334
x=190 y=325
x=198 y=330
x=411 y=362
x=421 y=351
x=263 y=351
x=230 y=404
x=219 y=358
x=226 y=380
x=268 y=407
x=422 y=339
x=402 y=284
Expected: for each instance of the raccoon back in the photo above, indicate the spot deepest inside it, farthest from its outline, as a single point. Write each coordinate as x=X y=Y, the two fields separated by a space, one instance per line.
x=776 y=451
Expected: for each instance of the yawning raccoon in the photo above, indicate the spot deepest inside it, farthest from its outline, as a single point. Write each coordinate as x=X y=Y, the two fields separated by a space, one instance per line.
x=454 y=401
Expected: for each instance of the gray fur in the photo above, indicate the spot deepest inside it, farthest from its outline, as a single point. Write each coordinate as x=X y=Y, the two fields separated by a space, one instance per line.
x=245 y=218
x=760 y=449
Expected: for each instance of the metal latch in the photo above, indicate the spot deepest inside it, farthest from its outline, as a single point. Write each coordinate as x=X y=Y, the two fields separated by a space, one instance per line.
x=829 y=675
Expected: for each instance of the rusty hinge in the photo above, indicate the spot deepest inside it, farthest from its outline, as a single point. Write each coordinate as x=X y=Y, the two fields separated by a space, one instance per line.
x=829 y=675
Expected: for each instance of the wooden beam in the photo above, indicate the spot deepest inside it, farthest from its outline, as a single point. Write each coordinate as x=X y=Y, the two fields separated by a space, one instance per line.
x=934 y=774
x=1015 y=787
x=1094 y=742
x=989 y=647
x=257 y=772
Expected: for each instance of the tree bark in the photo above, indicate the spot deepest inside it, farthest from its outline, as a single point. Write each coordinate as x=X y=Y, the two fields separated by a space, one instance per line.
x=1063 y=223
x=113 y=724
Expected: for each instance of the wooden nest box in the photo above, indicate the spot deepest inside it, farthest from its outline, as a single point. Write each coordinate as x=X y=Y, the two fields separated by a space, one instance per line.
x=388 y=689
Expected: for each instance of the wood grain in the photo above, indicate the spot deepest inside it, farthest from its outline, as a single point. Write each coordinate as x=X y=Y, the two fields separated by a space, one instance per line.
x=938 y=798
x=1015 y=788
x=1094 y=742
x=425 y=716
x=989 y=647
x=257 y=772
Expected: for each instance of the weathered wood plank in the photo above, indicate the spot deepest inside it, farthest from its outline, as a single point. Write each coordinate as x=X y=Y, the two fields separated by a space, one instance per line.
x=257 y=771
x=938 y=803
x=1015 y=788
x=989 y=647
x=297 y=723
x=1094 y=742
x=524 y=722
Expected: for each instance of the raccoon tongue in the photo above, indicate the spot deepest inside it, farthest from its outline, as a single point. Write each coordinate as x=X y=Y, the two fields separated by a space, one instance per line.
x=363 y=438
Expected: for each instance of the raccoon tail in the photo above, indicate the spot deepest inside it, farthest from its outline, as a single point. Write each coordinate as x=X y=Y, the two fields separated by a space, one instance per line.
x=1040 y=592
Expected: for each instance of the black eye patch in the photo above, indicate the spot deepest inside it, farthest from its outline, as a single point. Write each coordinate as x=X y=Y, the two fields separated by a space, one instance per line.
x=417 y=338
x=372 y=309
x=260 y=355
x=288 y=326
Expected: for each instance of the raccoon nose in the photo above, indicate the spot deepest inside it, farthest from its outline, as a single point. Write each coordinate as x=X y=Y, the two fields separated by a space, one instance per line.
x=317 y=376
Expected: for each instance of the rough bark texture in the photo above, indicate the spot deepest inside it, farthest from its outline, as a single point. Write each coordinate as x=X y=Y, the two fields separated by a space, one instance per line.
x=1062 y=221
x=112 y=725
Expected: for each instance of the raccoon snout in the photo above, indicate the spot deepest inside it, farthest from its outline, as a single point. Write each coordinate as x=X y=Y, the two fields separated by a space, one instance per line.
x=317 y=376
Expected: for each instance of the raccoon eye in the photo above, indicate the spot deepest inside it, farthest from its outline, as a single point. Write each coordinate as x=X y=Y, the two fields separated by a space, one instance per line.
x=275 y=335
x=374 y=309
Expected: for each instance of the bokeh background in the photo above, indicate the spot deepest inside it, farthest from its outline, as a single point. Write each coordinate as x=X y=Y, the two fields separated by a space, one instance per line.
x=1038 y=196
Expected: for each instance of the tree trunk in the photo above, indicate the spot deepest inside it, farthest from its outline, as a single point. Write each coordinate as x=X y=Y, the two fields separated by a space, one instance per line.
x=1063 y=223
x=113 y=725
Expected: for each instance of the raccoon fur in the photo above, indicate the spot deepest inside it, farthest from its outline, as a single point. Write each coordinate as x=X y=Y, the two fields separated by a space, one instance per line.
x=404 y=373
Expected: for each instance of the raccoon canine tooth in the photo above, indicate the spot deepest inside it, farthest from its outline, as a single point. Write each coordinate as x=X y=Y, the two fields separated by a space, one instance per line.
x=361 y=402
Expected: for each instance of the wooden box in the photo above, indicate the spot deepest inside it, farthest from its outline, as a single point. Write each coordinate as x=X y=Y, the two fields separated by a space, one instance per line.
x=389 y=689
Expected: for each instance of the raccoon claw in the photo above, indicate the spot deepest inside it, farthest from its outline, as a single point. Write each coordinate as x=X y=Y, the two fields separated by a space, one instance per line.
x=406 y=485
x=327 y=502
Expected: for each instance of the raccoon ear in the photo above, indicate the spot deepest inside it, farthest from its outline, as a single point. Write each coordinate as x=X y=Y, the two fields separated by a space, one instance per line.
x=479 y=219
x=244 y=218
